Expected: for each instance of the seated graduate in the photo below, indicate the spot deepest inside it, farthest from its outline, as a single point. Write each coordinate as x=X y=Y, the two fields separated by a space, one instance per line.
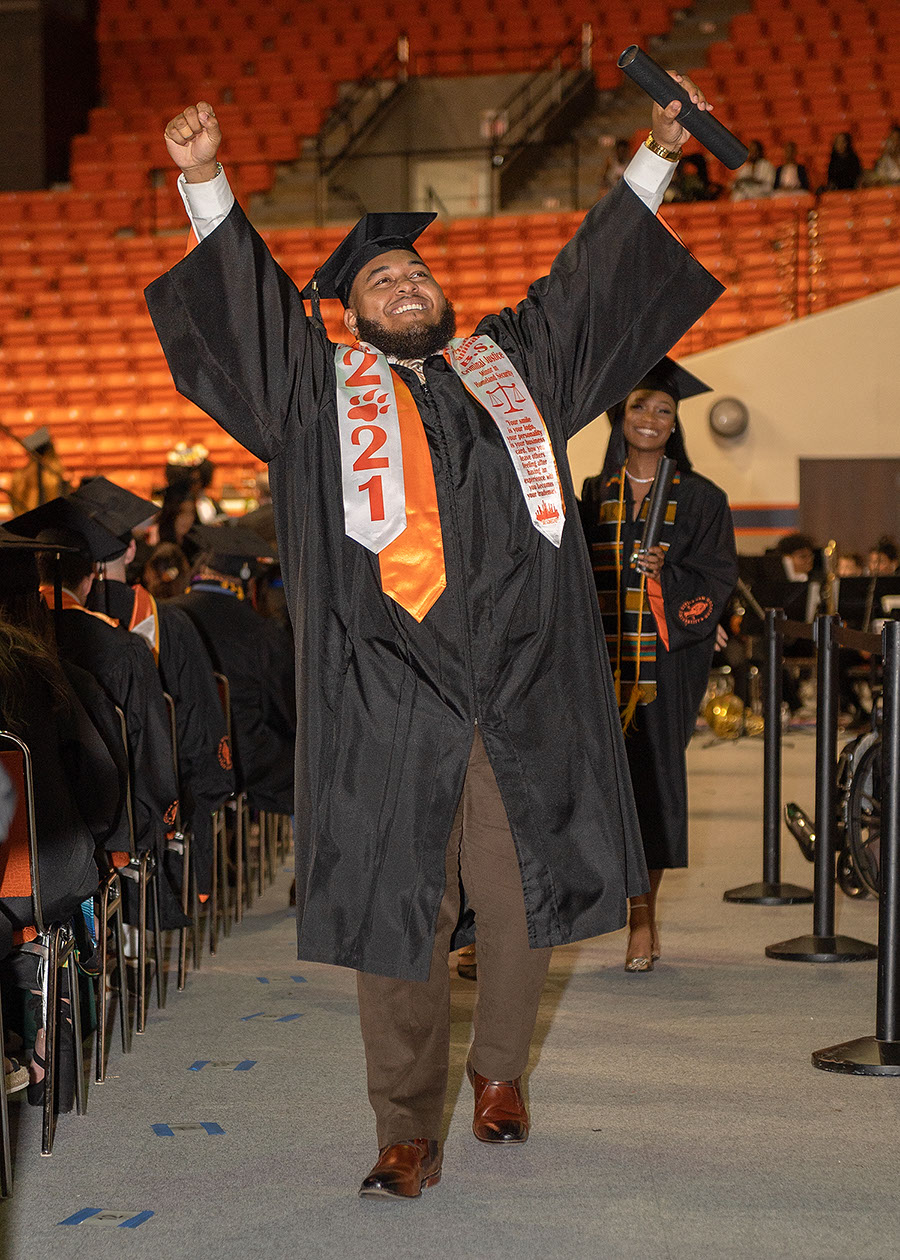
x=205 y=772
x=256 y=656
x=78 y=799
x=120 y=662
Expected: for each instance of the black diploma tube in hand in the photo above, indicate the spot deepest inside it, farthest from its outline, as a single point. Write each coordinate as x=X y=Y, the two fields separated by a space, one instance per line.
x=659 y=501
x=659 y=85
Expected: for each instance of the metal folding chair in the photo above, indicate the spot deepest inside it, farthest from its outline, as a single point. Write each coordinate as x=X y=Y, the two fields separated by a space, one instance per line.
x=180 y=842
x=55 y=940
x=109 y=907
x=6 y=1165
x=142 y=869
x=236 y=810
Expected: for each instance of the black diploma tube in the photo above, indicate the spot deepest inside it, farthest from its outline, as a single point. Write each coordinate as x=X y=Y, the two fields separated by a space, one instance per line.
x=712 y=134
x=659 y=501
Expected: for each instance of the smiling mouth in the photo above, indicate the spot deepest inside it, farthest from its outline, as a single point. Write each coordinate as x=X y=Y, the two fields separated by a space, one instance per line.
x=408 y=306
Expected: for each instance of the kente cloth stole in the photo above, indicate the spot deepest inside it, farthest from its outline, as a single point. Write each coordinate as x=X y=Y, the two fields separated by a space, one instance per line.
x=628 y=620
x=389 y=495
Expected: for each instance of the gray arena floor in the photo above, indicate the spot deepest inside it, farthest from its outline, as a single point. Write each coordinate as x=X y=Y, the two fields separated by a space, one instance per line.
x=674 y=1114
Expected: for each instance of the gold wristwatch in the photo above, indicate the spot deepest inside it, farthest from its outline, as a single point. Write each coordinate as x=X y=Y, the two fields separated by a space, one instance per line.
x=671 y=155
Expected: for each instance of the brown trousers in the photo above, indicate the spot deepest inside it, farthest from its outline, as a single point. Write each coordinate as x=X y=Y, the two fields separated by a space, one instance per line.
x=406 y=1023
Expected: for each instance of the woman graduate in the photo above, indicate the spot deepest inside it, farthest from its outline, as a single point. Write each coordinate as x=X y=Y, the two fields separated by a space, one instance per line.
x=660 y=611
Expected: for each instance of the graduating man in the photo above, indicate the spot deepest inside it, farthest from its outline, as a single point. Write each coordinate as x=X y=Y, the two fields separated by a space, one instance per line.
x=458 y=740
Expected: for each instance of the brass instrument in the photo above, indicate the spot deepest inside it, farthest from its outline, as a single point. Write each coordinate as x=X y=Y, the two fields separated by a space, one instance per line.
x=828 y=594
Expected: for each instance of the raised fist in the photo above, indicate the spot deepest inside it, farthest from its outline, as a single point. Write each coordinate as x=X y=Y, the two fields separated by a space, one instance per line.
x=193 y=139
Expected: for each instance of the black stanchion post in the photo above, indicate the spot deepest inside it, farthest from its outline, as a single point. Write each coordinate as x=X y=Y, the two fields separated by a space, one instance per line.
x=823 y=945
x=771 y=892
x=880 y=1055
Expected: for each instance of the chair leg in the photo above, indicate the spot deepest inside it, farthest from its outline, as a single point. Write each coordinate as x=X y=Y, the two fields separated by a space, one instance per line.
x=185 y=908
x=213 y=903
x=75 y=1006
x=157 y=935
x=224 y=892
x=244 y=816
x=142 y=944
x=122 y=984
x=102 y=979
x=238 y=861
x=51 y=1011
x=197 y=942
x=260 y=870
x=6 y=1165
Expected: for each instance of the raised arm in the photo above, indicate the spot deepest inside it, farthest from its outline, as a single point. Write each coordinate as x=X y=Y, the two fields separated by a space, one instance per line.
x=230 y=321
x=620 y=293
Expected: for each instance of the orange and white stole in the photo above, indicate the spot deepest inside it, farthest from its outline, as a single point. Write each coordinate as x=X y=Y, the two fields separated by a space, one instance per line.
x=390 y=500
x=489 y=376
x=145 y=619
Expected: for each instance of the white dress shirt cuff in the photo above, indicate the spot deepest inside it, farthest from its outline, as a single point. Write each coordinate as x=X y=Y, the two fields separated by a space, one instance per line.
x=649 y=176
x=207 y=204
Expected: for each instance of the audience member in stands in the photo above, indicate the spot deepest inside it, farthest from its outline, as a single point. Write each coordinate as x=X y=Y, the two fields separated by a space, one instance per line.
x=887 y=168
x=791 y=176
x=756 y=177
x=691 y=181
x=166 y=571
x=256 y=656
x=43 y=478
x=844 y=166
x=660 y=611
x=469 y=663
x=614 y=165
x=883 y=558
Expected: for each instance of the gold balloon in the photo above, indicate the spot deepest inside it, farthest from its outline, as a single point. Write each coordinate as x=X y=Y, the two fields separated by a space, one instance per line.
x=724 y=716
x=753 y=723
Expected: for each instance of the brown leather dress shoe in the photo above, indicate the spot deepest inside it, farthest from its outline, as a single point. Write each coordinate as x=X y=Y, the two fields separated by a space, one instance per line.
x=403 y=1170
x=500 y=1113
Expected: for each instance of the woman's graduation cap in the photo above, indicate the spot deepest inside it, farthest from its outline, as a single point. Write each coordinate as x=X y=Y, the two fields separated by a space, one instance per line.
x=374 y=234
x=670 y=378
x=113 y=507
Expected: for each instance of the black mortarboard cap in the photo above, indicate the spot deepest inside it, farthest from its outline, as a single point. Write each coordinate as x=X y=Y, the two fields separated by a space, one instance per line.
x=113 y=507
x=13 y=542
x=678 y=383
x=374 y=234
x=674 y=380
x=64 y=513
x=233 y=548
x=37 y=440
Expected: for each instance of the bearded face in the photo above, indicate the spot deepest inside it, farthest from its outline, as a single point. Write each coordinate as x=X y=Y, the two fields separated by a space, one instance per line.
x=397 y=306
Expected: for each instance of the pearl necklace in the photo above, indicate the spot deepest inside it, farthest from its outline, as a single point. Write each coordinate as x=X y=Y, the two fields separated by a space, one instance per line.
x=644 y=481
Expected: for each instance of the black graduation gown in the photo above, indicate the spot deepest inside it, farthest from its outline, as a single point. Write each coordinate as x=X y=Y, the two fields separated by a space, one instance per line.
x=102 y=794
x=205 y=774
x=123 y=665
x=386 y=706
x=254 y=655
x=697 y=579
x=67 y=756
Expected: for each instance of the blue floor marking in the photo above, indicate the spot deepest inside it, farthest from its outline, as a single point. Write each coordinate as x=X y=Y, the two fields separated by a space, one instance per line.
x=77 y=1217
x=198 y=1065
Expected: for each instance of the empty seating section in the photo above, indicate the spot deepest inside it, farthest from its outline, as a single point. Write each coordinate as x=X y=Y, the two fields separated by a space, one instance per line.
x=273 y=71
x=78 y=352
x=803 y=70
x=77 y=349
